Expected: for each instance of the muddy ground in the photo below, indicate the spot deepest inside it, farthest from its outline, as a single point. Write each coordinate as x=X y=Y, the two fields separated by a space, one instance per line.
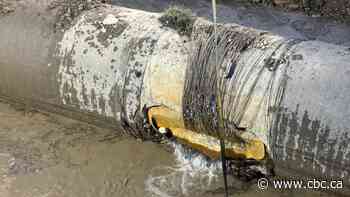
x=295 y=25
x=45 y=155
x=6 y=7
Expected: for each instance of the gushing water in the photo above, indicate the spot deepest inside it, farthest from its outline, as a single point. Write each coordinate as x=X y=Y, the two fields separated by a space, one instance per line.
x=193 y=173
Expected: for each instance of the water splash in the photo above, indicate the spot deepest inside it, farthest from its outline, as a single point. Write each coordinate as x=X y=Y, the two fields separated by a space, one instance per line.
x=192 y=174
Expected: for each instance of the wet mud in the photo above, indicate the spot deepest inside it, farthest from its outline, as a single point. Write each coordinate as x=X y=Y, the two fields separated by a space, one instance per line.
x=47 y=155
x=6 y=7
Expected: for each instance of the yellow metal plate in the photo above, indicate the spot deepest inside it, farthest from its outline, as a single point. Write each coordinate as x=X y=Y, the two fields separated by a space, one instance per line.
x=208 y=145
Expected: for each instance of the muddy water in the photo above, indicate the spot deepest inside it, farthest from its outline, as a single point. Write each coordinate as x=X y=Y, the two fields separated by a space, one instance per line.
x=43 y=155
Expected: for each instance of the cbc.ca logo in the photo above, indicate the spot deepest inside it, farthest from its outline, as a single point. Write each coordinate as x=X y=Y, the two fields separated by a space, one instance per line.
x=263 y=183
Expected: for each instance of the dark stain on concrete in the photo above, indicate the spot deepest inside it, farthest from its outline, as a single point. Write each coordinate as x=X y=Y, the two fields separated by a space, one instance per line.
x=317 y=152
x=74 y=95
x=131 y=92
x=138 y=74
x=89 y=38
x=93 y=99
x=114 y=101
x=111 y=31
x=99 y=51
x=297 y=57
x=102 y=104
x=92 y=44
x=95 y=78
x=68 y=59
x=65 y=90
x=85 y=96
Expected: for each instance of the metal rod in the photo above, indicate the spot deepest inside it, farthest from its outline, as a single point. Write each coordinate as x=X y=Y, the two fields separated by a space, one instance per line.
x=219 y=107
x=224 y=165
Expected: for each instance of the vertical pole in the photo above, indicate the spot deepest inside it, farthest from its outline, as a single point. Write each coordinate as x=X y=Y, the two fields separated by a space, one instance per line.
x=219 y=104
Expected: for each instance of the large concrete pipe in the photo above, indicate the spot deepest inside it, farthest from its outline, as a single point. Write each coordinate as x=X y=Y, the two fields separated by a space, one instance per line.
x=286 y=98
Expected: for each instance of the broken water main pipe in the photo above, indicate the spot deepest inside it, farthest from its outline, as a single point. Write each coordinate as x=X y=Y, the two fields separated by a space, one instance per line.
x=286 y=100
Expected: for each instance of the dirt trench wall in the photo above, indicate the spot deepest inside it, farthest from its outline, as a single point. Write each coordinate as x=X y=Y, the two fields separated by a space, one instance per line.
x=336 y=9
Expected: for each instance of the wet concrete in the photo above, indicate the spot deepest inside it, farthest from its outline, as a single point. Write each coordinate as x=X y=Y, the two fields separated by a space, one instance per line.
x=49 y=155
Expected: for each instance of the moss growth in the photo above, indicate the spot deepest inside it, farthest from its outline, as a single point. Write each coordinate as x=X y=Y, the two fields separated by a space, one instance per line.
x=178 y=18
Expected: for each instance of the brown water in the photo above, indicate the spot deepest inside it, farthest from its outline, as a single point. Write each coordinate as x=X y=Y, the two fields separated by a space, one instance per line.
x=44 y=155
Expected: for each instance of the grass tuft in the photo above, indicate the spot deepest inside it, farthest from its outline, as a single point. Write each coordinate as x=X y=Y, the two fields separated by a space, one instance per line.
x=178 y=18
